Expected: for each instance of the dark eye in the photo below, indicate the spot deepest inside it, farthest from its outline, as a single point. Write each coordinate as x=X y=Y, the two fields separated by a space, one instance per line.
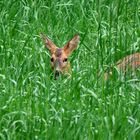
x=52 y=59
x=65 y=60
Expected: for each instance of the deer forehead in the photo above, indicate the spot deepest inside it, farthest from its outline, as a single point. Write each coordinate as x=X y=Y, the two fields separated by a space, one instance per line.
x=59 y=53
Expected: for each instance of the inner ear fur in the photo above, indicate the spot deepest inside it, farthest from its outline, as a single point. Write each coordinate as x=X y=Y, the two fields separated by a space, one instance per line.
x=71 y=45
x=48 y=43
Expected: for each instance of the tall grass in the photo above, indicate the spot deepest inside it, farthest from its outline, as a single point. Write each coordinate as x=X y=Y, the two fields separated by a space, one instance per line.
x=35 y=106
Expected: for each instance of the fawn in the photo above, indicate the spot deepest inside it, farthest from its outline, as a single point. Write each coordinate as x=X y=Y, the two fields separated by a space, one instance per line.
x=59 y=56
x=130 y=62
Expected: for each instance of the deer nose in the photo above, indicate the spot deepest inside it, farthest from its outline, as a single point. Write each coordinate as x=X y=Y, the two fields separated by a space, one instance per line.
x=57 y=74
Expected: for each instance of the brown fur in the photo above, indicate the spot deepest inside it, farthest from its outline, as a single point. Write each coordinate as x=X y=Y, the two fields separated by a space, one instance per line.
x=59 y=56
x=130 y=62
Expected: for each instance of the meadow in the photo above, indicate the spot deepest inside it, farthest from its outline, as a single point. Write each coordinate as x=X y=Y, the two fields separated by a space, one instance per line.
x=84 y=107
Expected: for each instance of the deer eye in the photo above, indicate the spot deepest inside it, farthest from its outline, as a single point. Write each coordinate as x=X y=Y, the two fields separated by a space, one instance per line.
x=52 y=59
x=65 y=60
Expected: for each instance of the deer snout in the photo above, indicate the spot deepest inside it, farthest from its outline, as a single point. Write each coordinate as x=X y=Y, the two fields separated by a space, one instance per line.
x=57 y=74
x=57 y=71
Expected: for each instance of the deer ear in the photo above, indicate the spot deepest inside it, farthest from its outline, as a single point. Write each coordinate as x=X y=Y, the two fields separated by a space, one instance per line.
x=71 y=45
x=48 y=43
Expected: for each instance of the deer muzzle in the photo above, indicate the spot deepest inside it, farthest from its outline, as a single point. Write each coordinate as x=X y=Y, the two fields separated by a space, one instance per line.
x=57 y=72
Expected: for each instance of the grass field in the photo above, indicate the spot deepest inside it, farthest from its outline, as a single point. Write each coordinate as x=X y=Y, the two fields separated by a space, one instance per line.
x=35 y=106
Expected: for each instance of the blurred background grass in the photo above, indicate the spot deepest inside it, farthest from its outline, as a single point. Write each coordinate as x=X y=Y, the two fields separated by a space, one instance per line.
x=33 y=105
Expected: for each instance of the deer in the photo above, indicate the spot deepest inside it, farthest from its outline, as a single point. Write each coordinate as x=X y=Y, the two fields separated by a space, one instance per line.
x=59 y=56
x=129 y=63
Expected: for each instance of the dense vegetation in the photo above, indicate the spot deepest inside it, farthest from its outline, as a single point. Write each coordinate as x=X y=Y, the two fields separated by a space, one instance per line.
x=35 y=106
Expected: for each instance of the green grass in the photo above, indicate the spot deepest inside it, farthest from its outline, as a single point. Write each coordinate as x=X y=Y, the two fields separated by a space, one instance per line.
x=33 y=105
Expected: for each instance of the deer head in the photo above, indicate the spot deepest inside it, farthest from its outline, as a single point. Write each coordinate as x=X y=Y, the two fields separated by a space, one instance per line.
x=59 y=56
